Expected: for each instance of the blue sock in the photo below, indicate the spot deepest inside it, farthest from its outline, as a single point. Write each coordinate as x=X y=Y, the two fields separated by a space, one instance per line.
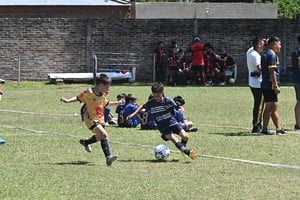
x=182 y=148
x=184 y=142
x=105 y=147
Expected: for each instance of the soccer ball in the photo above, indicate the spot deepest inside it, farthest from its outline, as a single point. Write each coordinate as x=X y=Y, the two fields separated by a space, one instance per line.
x=231 y=81
x=161 y=152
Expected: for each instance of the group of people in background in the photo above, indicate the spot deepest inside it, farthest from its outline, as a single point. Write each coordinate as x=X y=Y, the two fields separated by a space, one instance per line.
x=263 y=78
x=198 y=65
x=145 y=118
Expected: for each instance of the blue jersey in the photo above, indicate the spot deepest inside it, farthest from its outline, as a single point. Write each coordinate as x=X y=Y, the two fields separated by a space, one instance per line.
x=269 y=60
x=127 y=110
x=163 y=112
x=296 y=65
x=119 y=111
x=179 y=116
x=147 y=120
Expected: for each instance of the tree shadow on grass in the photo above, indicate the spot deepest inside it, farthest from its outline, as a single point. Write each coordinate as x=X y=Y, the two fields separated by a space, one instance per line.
x=79 y=162
x=236 y=133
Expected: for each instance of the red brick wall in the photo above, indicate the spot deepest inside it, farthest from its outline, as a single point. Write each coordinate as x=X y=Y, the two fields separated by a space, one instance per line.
x=48 y=45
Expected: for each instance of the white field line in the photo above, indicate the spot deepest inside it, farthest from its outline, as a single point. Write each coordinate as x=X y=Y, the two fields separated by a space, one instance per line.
x=36 y=113
x=281 y=166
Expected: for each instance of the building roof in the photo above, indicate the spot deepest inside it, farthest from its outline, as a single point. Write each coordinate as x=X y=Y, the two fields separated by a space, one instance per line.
x=65 y=3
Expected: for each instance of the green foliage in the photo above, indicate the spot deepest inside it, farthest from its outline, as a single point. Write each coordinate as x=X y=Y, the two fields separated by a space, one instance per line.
x=288 y=9
x=53 y=165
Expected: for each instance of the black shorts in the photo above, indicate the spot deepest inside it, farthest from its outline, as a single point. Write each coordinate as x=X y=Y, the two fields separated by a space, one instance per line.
x=297 y=90
x=269 y=95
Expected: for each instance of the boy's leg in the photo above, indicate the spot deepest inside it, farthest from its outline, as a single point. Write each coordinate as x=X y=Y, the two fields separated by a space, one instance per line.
x=191 y=153
x=102 y=135
x=86 y=143
x=184 y=137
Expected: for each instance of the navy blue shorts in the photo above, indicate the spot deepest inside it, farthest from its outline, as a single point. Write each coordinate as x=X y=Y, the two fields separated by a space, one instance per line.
x=175 y=129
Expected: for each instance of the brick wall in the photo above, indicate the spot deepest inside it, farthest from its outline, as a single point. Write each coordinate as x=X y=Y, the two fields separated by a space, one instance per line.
x=47 y=45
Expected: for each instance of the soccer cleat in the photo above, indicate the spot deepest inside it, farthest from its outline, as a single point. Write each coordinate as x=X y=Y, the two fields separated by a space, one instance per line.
x=281 y=132
x=110 y=159
x=88 y=148
x=192 y=154
x=192 y=130
x=266 y=132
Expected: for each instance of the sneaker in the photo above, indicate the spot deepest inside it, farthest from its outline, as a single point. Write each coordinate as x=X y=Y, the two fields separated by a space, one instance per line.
x=281 y=132
x=193 y=154
x=2 y=141
x=88 y=148
x=192 y=130
x=266 y=132
x=297 y=128
x=256 y=130
x=110 y=159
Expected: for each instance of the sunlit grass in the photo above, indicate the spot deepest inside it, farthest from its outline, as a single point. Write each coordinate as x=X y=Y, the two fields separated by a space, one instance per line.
x=53 y=165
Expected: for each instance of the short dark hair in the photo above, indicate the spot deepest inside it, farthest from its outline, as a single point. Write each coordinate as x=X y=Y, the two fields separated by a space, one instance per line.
x=157 y=87
x=179 y=100
x=104 y=79
x=273 y=39
x=256 y=41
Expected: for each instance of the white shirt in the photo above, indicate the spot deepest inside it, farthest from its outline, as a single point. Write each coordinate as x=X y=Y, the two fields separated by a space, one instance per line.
x=253 y=60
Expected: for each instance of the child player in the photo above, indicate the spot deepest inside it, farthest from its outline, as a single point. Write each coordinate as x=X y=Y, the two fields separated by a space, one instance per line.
x=96 y=100
x=186 y=124
x=163 y=108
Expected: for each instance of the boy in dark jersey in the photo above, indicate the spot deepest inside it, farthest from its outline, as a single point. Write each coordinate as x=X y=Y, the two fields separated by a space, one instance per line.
x=270 y=85
x=163 y=109
x=187 y=125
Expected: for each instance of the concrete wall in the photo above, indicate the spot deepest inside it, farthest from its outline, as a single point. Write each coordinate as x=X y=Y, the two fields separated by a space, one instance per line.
x=205 y=11
x=47 y=45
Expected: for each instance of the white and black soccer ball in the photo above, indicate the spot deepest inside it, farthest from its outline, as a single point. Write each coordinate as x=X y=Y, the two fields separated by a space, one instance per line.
x=161 y=152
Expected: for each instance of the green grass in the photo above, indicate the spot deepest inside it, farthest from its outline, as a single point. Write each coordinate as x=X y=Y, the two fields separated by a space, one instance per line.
x=54 y=166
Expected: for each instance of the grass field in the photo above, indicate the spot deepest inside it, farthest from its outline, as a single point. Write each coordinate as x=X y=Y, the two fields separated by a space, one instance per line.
x=42 y=158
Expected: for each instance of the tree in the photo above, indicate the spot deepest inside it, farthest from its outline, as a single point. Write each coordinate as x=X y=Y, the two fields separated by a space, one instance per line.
x=288 y=9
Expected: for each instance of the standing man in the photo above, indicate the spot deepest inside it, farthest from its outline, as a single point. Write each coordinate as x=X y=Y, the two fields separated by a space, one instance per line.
x=296 y=81
x=254 y=81
x=160 y=65
x=198 y=64
x=270 y=85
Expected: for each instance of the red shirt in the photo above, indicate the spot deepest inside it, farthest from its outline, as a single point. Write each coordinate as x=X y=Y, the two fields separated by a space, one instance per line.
x=197 y=50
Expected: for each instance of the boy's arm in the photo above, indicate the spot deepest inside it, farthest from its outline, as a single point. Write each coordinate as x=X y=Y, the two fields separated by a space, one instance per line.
x=70 y=100
x=134 y=113
x=115 y=103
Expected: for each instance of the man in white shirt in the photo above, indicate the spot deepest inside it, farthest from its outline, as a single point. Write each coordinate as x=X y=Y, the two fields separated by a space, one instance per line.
x=254 y=80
